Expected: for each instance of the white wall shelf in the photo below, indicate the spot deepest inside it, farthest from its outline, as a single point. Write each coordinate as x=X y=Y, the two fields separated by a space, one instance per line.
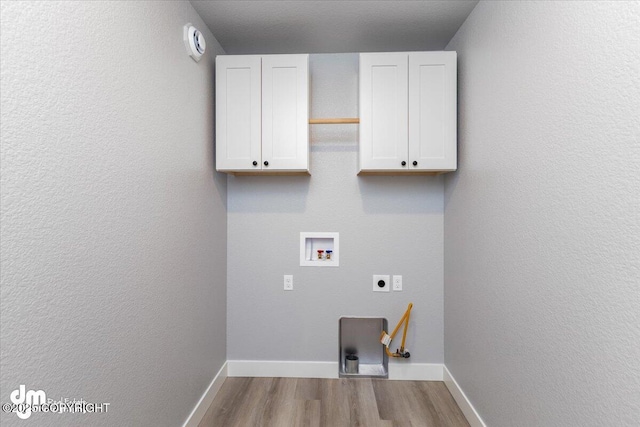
x=311 y=242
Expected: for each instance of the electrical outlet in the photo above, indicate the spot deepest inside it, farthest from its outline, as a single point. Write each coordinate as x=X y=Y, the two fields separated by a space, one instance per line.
x=288 y=282
x=397 y=283
x=381 y=283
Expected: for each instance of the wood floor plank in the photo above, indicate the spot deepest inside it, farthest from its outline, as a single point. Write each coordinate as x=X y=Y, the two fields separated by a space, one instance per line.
x=307 y=413
x=363 y=406
x=252 y=404
x=334 y=403
x=308 y=388
x=279 y=407
x=238 y=402
x=225 y=404
x=390 y=405
x=363 y=410
x=422 y=411
x=447 y=410
x=284 y=402
x=405 y=402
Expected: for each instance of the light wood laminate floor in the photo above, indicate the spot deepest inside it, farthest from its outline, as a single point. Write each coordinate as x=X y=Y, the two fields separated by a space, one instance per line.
x=284 y=402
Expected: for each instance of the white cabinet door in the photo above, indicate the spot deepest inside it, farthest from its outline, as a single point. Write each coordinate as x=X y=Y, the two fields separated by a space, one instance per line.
x=383 y=111
x=238 y=115
x=285 y=112
x=432 y=111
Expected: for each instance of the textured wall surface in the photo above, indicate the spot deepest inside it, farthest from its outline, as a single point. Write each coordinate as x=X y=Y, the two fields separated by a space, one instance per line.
x=387 y=225
x=113 y=219
x=542 y=221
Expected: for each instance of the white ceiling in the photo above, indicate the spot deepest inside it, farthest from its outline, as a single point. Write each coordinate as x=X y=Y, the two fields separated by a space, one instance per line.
x=244 y=27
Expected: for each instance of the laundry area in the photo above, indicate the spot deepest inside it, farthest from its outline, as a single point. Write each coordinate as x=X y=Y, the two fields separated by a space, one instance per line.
x=320 y=213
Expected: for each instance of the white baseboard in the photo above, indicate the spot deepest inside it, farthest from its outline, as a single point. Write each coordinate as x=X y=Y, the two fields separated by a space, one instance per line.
x=205 y=401
x=285 y=369
x=461 y=399
x=415 y=371
x=290 y=369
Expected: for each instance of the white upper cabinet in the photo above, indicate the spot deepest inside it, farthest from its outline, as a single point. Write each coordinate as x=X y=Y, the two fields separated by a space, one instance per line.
x=285 y=112
x=408 y=112
x=383 y=110
x=238 y=112
x=433 y=111
x=262 y=113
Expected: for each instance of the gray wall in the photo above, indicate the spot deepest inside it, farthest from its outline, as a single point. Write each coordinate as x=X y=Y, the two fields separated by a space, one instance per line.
x=387 y=225
x=542 y=230
x=113 y=219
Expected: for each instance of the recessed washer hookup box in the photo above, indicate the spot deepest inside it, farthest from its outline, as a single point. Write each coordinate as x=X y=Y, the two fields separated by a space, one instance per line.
x=360 y=337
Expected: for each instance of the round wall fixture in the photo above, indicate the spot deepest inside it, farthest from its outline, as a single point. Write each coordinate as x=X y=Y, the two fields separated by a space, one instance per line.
x=194 y=42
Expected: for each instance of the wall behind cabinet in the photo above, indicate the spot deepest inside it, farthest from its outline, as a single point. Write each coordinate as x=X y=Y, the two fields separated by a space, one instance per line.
x=387 y=225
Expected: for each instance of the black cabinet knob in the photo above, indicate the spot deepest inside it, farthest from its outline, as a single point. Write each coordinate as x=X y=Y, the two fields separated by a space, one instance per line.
x=266 y=163
x=404 y=163
x=415 y=163
x=255 y=163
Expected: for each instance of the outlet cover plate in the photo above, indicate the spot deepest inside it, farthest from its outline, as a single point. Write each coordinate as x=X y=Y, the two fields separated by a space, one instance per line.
x=397 y=282
x=377 y=278
x=288 y=282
